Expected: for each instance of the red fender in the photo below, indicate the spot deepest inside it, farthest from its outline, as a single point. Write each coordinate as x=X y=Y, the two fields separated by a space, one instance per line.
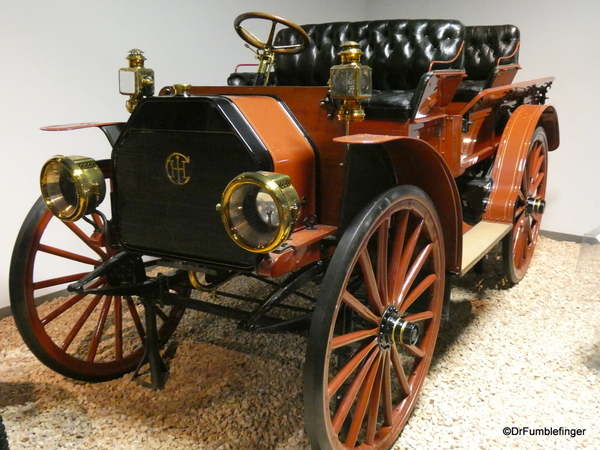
x=417 y=163
x=511 y=157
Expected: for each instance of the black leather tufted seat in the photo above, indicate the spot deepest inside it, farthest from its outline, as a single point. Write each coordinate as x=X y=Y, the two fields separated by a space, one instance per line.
x=400 y=52
x=487 y=50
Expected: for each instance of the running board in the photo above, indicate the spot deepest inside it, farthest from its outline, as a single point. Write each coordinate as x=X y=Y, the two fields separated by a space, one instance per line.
x=479 y=240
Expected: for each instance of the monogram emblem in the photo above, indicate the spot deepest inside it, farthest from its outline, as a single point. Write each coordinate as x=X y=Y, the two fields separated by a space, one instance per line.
x=176 y=168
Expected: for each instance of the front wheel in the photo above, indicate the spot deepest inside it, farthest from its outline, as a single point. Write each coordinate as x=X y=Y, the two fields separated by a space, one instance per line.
x=85 y=337
x=375 y=324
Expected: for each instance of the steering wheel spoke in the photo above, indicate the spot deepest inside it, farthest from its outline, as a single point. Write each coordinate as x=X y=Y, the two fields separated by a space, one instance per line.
x=251 y=39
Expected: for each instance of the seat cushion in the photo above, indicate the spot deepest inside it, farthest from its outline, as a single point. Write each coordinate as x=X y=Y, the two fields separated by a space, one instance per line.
x=391 y=104
x=398 y=51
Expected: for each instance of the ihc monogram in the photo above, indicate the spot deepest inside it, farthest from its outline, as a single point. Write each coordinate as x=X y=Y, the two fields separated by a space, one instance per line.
x=176 y=168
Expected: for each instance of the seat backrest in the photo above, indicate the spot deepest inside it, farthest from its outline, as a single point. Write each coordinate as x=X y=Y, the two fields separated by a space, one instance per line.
x=398 y=51
x=489 y=46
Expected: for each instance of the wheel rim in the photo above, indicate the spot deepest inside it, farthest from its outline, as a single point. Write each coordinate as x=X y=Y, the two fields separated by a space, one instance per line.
x=86 y=337
x=369 y=380
x=527 y=218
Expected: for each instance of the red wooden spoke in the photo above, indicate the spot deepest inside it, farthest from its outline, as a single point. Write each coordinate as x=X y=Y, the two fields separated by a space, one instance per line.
x=407 y=254
x=399 y=234
x=415 y=351
x=69 y=304
x=87 y=240
x=374 y=402
x=382 y=261
x=425 y=315
x=520 y=242
x=118 y=328
x=387 y=400
x=539 y=162
x=537 y=182
x=370 y=281
x=351 y=393
x=413 y=272
x=343 y=374
x=520 y=210
x=99 y=329
x=345 y=339
x=397 y=364
x=363 y=403
x=417 y=292
x=79 y=324
x=136 y=318
x=359 y=308
x=530 y=231
x=58 y=281
x=68 y=255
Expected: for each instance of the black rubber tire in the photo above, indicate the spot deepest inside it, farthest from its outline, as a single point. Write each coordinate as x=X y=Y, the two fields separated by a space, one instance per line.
x=3 y=436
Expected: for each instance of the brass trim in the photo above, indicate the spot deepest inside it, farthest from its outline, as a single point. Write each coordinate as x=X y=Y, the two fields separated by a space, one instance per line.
x=87 y=182
x=285 y=197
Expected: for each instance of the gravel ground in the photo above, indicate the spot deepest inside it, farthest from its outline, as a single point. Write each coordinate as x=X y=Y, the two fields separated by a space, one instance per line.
x=528 y=356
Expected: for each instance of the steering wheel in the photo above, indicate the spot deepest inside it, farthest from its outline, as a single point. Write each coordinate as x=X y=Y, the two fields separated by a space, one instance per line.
x=268 y=46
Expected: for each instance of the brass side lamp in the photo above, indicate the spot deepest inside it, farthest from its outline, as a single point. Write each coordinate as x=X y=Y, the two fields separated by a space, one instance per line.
x=136 y=80
x=350 y=81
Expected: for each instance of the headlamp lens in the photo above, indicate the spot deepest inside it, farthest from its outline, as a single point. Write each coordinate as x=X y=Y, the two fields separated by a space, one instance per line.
x=72 y=186
x=259 y=210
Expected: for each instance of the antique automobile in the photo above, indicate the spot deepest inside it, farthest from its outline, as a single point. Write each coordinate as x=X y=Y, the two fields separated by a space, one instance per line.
x=371 y=162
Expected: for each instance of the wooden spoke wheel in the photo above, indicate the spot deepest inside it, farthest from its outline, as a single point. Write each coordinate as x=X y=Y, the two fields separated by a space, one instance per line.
x=519 y=244
x=375 y=324
x=86 y=337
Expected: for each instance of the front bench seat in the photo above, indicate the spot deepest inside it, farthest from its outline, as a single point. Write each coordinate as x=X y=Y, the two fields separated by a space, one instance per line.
x=400 y=52
x=491 y=59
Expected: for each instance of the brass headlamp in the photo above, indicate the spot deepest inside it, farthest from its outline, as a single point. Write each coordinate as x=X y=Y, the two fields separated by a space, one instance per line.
x=72 y=186
x=259 y=210
x=136 y=80
x=350 y=81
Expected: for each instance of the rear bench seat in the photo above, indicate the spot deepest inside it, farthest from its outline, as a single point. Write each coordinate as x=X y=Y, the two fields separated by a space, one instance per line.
x=491 y=59
x=402 y=54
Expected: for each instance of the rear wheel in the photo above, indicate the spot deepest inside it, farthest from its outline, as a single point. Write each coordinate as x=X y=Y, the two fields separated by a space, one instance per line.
x=86 y=337
x=375 y=324
x=518 y=246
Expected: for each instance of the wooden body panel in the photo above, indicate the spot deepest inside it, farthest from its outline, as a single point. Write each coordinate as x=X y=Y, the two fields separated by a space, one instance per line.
x=305 y=105
x=292 y=153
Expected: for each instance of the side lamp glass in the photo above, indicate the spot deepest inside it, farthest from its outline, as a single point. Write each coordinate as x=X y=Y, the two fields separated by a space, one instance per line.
x=350 y=82
x=136 y=80
x=72 y=186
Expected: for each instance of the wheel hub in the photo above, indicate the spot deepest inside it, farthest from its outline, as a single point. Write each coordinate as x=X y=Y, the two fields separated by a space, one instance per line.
x=395 y=330
x=536 y=206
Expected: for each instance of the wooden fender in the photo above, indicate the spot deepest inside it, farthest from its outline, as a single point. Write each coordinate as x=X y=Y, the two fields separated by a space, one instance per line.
x=512 y=155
